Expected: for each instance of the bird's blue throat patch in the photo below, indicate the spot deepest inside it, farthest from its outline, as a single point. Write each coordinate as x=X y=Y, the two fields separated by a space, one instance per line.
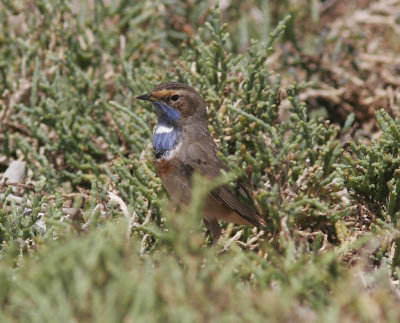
x=165 y=139
x=165 y=113
x=167 y=134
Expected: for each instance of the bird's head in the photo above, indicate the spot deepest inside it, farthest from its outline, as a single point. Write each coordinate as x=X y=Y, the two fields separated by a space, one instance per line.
x=176 y=104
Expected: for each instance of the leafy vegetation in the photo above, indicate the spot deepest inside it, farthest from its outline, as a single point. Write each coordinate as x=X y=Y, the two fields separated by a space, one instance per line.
x=90 y=236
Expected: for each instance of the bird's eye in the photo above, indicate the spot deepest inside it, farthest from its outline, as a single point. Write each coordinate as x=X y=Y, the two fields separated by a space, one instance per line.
x=175 y=97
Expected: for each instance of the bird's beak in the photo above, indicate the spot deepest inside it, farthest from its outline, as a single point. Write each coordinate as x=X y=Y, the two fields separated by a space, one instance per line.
x=147 y=97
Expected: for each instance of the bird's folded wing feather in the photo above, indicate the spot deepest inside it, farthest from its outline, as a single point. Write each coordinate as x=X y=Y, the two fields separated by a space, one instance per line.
x=198 y=158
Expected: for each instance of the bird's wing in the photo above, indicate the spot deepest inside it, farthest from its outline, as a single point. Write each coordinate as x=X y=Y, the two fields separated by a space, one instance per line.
x=201 y=157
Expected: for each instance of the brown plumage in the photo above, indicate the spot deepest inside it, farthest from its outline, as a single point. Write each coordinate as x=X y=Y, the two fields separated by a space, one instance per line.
x=183 y=145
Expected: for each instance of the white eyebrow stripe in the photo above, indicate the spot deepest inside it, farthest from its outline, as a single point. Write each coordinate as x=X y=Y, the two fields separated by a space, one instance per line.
x=163 y=129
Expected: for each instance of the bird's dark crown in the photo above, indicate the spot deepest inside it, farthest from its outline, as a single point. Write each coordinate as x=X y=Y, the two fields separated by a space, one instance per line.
x=173 y=86
x=185 y=102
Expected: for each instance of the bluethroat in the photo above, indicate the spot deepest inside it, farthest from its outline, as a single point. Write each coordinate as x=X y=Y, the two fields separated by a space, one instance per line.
x=183 y=145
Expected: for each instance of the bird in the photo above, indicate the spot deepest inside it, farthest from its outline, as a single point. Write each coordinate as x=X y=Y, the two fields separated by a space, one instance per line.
x=183 y=145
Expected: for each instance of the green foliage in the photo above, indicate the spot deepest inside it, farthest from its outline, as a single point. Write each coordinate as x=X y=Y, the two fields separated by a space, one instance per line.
x=71 y=250
x=243 y=93
x=372 y=171
x=104 y=276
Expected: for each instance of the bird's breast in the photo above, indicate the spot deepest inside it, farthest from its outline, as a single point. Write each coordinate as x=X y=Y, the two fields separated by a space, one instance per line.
x=164 y=167
x=167 y=144
x=167 y=160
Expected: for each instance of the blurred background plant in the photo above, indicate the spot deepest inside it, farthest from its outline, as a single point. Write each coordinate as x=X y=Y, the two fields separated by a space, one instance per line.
x=291 y=88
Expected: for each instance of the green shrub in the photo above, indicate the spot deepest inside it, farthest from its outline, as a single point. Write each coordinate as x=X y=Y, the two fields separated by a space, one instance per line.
x=69 y=74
